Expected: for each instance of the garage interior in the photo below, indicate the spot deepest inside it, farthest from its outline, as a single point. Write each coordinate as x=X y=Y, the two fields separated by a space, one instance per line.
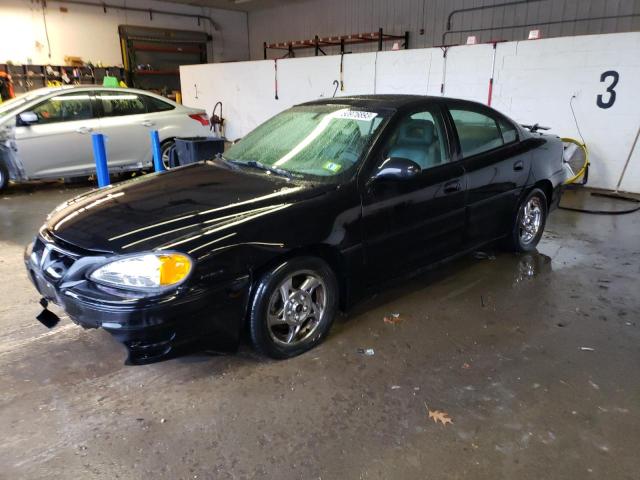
x=532 y=356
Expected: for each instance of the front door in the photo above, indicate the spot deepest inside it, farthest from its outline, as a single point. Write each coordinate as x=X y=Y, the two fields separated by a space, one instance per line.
x=415 y=221
x=59 y=143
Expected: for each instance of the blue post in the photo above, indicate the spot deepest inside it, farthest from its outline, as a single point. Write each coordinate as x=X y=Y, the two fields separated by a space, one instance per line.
x=100 y=155
x=157 y=151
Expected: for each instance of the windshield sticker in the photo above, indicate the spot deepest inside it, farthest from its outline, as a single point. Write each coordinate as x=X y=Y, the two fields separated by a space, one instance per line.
x=357 y=115
x=332 y=167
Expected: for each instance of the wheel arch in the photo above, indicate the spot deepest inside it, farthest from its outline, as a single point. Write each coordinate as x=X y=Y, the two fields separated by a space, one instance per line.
x=330 y=255
x=547 y=187
x=168 y=139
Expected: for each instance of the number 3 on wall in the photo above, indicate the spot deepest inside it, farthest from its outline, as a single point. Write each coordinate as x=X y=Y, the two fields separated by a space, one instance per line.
x=610 y=89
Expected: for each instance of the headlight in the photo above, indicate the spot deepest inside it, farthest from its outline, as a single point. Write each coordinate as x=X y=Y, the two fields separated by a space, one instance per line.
x=153 y=270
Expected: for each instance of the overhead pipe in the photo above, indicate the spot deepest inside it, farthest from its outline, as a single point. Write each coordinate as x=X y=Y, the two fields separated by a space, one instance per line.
x=150 y=11
x=537 y=24
x=485 y=7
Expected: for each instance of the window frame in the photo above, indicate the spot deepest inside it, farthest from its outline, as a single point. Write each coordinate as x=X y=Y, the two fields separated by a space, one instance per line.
x=92 y=106
x=494 y=115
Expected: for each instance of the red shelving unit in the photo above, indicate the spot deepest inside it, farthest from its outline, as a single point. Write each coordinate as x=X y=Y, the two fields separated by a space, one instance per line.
x=341 y=41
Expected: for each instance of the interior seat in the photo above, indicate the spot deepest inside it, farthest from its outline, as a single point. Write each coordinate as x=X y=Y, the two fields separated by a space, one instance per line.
x=414 y=142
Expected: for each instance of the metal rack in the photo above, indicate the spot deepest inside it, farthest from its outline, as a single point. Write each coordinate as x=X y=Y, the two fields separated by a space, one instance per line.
x=318 y=43
x=29 y=77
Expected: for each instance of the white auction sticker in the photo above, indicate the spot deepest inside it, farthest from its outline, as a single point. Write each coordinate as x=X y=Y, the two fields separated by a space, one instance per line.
x=357 y=115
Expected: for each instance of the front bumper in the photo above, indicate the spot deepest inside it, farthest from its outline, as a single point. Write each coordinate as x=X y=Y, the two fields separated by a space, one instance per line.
x=151 y=328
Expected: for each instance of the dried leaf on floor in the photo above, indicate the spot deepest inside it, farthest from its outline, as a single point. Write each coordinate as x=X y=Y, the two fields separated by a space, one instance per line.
x=438 y=416
x=393 y=318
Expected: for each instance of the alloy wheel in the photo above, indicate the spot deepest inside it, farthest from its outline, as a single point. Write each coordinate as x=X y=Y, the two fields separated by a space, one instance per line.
x=296 y=308
x=531 y=220
x=166 y=149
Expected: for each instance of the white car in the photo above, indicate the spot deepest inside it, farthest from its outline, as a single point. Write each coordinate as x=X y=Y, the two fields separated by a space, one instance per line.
x=46 y=133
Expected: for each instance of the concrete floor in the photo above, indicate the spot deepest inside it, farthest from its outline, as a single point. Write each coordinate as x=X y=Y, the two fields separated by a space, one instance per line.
x=499 y=344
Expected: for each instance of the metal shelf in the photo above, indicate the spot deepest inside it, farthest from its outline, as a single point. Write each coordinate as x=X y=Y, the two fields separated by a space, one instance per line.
x=341 y=41
x=29 y=77
x=156 y=72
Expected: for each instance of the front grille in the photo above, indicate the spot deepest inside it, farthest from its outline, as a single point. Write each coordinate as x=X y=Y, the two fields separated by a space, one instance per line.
x=51 y=260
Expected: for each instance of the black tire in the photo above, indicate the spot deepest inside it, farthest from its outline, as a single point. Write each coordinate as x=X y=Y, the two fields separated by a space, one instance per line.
x=165 y=148
x=515 y=241
x=262 y=335
x=4 y=177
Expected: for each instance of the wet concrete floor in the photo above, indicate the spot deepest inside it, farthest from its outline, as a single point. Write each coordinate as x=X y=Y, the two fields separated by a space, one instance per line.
x=534 y=357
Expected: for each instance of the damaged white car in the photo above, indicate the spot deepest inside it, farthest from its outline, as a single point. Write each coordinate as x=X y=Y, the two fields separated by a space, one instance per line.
x=46 y=133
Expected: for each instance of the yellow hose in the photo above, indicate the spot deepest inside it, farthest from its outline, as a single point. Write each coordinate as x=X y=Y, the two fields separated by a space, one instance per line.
x=584 y=167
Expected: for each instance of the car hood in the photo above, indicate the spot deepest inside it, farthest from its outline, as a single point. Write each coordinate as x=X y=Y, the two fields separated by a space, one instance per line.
x=155 y=211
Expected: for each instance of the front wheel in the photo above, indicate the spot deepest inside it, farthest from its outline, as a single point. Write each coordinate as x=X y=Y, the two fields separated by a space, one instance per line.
x=529 y=223
x=293 y=307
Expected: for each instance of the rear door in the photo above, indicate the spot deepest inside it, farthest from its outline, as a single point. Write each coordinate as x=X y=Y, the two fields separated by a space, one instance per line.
x=416 y=221
x=59 y=144
x=126 y=124
x=496 y=166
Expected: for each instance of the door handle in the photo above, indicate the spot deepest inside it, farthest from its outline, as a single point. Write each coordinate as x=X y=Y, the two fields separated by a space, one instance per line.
x=518 y=166
x=147 y=123
x=452 y=187
x=84 y=130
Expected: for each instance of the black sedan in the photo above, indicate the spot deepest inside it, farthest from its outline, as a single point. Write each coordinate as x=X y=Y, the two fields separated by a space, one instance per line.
x=299 y=219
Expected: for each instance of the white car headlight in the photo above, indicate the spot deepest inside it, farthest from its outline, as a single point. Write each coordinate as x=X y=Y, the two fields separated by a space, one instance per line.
x=152 y=270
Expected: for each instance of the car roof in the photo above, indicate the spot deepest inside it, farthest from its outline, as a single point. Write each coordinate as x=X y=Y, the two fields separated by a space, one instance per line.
x=389 y=101
x=39 y=93
x=375 y=101
x=46 y=90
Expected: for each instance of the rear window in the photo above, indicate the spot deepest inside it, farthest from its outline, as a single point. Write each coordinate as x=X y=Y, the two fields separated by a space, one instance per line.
x=115 y=104
x=157 y=105
x=477 y=132
x=509 y=133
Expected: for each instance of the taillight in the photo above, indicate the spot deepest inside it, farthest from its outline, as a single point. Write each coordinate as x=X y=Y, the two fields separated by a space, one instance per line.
x=200 y=117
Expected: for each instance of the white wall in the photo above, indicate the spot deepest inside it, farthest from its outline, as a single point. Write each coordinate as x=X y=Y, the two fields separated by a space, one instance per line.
x=91 y=34
x=534 y=81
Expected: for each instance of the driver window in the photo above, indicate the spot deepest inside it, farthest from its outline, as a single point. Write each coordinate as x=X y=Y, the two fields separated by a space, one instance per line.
x=65 y=108
x=420 y=137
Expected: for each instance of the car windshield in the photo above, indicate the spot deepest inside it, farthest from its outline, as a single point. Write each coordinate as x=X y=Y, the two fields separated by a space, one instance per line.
x=320 y=142
x=9 y=106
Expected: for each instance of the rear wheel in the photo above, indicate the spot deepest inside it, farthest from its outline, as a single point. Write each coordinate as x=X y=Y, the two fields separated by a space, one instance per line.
x=293 y=307
x=4 y=177
x=529 y=223
x=165 y=151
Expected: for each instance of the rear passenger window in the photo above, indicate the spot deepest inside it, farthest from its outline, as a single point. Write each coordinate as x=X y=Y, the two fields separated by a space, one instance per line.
x=157 y=105
x=477 y=132
x=509 y=133
x=115 y=104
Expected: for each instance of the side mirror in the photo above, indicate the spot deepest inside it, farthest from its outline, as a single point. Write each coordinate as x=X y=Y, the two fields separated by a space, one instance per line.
x=396 y=168
x=27 y=118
